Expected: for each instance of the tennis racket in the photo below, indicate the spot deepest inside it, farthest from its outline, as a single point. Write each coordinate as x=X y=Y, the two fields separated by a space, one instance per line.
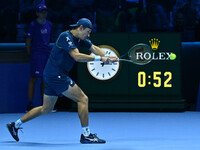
x=140 y=54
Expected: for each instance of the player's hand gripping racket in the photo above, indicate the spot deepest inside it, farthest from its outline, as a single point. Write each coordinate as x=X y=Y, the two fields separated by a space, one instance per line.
x=139 y=54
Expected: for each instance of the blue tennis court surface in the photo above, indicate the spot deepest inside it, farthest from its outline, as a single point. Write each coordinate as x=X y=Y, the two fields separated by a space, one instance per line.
x=121 y=130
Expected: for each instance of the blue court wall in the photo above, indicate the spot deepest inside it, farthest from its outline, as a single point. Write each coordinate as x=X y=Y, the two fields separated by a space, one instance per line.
x=14 y=78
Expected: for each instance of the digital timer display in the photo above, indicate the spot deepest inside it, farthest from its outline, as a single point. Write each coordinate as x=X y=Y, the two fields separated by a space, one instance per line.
x=145 y=80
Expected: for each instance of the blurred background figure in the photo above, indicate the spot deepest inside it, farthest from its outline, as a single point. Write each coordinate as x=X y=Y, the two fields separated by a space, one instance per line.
x=196 y=4
x=127 y=17
x=106 y=11
x=82 y=9
x=27 y=10
x=156 y=17
x=106 y=15
x=184 y=18
x=37 y=43
x=8 y=19
x=59 y=12
x=26 y=14
x=179 y=25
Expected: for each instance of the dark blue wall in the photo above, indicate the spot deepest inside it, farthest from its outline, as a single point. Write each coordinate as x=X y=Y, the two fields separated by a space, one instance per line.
x=14 y=78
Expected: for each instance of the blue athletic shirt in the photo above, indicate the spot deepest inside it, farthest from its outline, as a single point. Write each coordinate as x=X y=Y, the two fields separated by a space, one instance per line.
x=40 y=35
x=60 y=61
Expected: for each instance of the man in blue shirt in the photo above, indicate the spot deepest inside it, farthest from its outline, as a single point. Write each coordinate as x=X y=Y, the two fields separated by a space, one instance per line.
x=57 y=82
x=37 y=43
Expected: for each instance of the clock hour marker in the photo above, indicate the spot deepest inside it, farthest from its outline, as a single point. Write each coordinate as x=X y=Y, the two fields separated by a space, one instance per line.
x=109 y=74
x=93 y=69
x=97 y=74
x=107 y=52
x=113 y=69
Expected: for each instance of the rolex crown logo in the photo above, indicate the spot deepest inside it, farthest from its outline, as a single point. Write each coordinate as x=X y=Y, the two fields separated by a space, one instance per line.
x=154 y=43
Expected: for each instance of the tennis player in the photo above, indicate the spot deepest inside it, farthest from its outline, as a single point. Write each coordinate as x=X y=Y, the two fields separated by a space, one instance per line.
x=57 y=82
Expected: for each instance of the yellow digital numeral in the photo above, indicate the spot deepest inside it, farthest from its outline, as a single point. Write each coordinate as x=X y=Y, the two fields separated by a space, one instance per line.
x=141 y=79
x=156 y=76
x=166 y=83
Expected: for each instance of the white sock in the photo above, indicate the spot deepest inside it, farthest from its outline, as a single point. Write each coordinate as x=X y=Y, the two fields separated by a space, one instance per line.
x=18 y=123
x=86 y=131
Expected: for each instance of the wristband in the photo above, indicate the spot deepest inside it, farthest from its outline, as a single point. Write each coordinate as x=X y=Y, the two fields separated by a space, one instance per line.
x=106 y=55
x=97 y=58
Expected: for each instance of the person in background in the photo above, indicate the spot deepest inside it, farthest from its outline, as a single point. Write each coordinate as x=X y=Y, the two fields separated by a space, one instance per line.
x=38 y=48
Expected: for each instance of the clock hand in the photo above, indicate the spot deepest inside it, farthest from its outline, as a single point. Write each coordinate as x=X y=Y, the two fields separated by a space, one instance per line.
x=102 y=64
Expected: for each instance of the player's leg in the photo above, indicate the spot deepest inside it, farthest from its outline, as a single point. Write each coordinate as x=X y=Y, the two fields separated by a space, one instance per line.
x=48 y=104
x=47 y=107
x=42 y=87
x=77 y=95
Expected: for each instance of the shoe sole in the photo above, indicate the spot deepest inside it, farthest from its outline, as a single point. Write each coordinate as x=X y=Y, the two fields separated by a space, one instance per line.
x=93 y=143
x=88 y=142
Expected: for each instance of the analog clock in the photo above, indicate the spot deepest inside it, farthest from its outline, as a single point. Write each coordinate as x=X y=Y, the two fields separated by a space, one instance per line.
x=102 y=71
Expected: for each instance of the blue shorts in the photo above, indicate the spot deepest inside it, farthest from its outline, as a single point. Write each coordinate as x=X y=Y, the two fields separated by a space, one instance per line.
x=37 y=64
x=55 y=86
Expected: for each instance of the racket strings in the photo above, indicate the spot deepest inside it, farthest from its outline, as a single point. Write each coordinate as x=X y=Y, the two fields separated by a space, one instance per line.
x=140 y=54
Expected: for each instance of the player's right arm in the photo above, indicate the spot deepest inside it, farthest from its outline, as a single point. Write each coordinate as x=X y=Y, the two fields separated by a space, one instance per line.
x=80 y=57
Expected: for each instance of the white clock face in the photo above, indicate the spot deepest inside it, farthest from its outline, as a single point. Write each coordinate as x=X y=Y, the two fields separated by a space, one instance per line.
x=102 y=71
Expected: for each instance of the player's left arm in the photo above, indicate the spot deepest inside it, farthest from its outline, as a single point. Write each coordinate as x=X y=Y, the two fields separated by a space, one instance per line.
x=97 y=50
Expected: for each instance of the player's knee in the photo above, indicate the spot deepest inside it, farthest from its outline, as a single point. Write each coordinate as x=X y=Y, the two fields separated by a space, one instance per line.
x=84 y=100
x=46 y=110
